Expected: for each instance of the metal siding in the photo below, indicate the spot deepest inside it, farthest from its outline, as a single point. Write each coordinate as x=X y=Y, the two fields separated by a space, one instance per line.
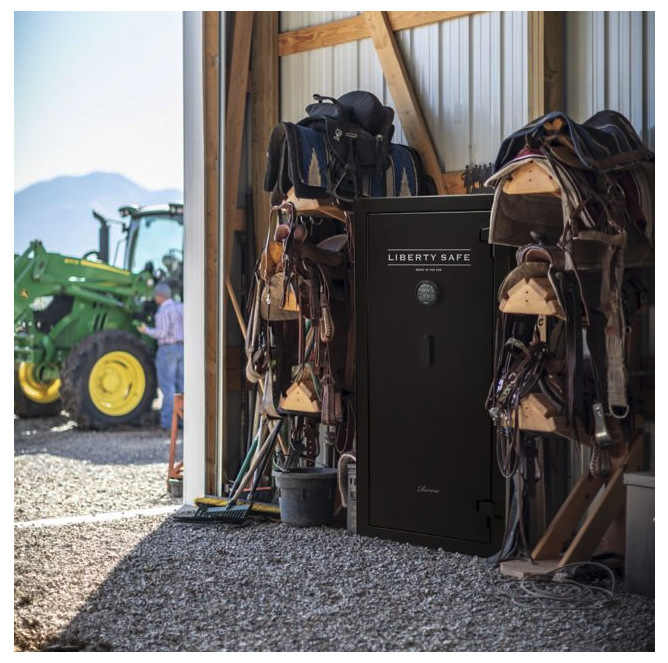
x=485 y=102
x=470 y=74
x=465 y=75
x=297 y=20
x=649 y=79
x=514 y=71
x=610 y=65
x=454 y=122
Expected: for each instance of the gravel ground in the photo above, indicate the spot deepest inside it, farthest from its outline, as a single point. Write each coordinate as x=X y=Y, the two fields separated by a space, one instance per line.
x=62 y=471
x=151 y=583
x=154 y=584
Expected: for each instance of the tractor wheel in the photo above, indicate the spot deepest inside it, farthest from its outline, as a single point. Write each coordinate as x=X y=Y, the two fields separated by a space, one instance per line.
x=108 y=379
x=33 y=398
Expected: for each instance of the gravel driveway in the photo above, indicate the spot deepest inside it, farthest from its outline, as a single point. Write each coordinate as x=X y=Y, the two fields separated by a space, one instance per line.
x=62 y=471
x=153 y=584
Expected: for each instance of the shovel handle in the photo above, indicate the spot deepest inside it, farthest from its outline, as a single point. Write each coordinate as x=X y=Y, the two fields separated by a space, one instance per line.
x=266 y=447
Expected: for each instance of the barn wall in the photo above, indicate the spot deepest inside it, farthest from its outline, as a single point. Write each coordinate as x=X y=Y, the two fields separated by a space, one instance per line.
x=470 y=74
x=464 y=73
x=610 y=64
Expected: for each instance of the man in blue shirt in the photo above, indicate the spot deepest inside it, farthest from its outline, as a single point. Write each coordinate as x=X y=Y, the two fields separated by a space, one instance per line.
x=168 y=332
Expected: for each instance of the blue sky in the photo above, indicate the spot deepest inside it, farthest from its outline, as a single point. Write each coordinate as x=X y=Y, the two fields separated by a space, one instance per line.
x=98 y=91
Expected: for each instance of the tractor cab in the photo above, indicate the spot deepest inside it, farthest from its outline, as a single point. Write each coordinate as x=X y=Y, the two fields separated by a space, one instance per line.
x=152 y=241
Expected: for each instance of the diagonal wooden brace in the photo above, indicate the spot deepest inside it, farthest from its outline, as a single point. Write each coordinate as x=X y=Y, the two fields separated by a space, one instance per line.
x=597 y=520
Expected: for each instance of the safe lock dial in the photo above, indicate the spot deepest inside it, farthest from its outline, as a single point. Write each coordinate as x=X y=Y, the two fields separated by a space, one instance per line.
x=427 y=293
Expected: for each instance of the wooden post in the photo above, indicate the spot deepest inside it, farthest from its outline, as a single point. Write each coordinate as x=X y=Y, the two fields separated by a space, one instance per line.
x=264 y=87
x=212 y=229
x=545 y=32
x=405 y=102
x=235 y=115
x=237 y=77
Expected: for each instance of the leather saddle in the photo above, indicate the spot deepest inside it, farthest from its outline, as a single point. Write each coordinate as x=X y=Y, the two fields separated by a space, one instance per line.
x=342 y=150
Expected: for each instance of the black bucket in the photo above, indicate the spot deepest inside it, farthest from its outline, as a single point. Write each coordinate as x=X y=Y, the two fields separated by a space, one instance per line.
x=306 y=495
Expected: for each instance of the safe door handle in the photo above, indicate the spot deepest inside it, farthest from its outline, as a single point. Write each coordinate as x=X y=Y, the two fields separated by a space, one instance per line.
x=426 y=350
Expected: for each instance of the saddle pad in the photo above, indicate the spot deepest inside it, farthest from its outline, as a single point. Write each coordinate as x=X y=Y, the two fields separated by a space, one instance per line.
x=606 y=141
x=297 y=156
x=401 y=178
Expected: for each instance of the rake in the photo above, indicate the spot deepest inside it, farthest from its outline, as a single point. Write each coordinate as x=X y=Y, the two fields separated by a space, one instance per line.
x=232 y=512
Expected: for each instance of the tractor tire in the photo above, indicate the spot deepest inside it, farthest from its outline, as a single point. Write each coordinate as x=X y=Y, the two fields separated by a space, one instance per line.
x=25 y=394
x=108 y=380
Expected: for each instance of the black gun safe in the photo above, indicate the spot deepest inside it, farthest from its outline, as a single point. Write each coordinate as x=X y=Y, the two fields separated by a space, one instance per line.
x=425 y=294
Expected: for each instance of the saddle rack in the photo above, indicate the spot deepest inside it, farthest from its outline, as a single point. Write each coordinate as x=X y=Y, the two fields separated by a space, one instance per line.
x=533 y=296
x=546 y=555
x=530 y=178
x=313 y=207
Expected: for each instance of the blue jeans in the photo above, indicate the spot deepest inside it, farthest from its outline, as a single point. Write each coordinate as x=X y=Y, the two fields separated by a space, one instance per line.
x=169 y=365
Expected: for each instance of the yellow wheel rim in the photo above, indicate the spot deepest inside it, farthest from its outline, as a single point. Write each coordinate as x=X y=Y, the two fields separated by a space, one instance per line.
x=117 y=383
x=34 y=389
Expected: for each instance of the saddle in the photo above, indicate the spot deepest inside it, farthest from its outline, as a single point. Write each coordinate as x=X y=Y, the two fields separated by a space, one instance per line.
x=605 y=142
x=578 y=202
x=343 y=150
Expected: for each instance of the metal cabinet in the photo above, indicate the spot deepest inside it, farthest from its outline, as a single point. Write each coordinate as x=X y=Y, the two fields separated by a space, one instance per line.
x=425 y=281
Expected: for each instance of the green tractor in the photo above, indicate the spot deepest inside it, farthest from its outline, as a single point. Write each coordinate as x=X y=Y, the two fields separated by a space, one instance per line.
x=76 y=346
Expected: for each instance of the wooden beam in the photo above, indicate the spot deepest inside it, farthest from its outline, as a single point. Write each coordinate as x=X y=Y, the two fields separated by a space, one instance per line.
x=454 y=183
x=264 y=89
x=212 y=229
x=597 y=521
x=566 y=520
x=235 y=115
x=405 y=101
x=545 y=32
x=604 y=512
x=353 y=29
x=237 y=77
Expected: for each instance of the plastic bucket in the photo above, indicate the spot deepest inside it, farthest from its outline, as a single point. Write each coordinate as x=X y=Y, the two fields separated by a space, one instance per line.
x=306 y=495
x=175 y=487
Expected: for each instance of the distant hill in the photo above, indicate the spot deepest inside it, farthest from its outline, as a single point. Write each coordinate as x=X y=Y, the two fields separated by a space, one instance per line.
x=58 y=211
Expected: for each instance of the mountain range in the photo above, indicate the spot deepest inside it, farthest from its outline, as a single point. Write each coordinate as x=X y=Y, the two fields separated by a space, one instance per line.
x=59 y=211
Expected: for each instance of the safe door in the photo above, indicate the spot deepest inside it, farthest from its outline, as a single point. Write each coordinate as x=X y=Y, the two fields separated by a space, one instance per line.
x=425 y=282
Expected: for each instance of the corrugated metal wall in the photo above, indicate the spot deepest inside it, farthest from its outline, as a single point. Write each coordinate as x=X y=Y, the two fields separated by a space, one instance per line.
x=610 y=64
x=469 y=75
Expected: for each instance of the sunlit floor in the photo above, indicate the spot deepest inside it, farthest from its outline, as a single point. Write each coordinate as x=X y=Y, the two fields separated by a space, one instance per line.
x=149 y=583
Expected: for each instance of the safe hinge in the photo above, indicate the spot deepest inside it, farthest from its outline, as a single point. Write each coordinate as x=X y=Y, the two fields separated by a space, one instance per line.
x=486 y=508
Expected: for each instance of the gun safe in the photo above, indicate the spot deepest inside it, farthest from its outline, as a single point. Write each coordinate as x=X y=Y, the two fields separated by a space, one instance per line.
x=425 y=294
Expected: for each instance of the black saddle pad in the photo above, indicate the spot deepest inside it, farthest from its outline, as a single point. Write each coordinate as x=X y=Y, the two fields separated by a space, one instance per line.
x=606 y=141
